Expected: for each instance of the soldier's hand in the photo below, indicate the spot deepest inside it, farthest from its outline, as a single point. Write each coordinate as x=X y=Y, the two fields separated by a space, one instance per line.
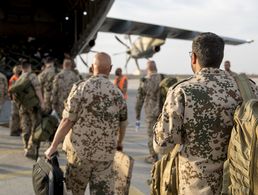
x=48 y=153
x=137 y=125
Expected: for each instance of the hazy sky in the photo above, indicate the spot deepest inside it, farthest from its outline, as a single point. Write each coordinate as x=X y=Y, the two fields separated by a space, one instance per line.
x=231 y=18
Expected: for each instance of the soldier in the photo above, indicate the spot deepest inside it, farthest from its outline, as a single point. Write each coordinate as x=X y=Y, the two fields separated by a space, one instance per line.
x=30 y=118
x=227 y=66
x=62 y=85
x=3 y=89
x=14 y=122
x=121 y=82
x=96 y=113
x=46 y=78
x=198 y=113
x=149 y=95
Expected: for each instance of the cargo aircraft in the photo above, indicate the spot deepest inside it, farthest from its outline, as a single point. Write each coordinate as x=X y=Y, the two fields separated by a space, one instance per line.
x=32 y=29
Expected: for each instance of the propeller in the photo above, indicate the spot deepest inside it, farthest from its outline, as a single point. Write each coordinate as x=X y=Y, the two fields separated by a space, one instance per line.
x=128 y=52
x=127 y=60
x=130 y=40
x=137 y=64
x=114 y=54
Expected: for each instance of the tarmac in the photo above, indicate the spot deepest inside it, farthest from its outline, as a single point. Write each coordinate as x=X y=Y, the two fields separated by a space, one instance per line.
x=16 y=170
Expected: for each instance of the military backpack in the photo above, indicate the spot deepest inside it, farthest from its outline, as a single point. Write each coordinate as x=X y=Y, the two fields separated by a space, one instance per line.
x=240 y=174
x=24 y=93
x=164 y=176
x=165 y=83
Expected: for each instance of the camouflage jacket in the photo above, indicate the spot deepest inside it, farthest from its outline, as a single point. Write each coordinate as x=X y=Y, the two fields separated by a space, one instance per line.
x=46 y=78
x=97 y=109
x=3 y=89
x=148 y=94
x=62 y=85
x=198 y=113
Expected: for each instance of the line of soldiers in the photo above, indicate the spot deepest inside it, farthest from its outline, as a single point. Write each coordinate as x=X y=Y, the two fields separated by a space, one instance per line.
x=52 y=88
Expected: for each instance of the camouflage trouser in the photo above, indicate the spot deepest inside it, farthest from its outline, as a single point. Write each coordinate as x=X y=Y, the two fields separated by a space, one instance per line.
x=14 y=122
x=150 y=124
x=99 y=175
x=30 y=119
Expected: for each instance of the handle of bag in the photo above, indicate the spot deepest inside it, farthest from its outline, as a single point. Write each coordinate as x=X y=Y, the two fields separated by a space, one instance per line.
x=53 y=159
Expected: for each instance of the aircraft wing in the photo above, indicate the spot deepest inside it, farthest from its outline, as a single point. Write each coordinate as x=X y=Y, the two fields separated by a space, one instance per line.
x=151 y=30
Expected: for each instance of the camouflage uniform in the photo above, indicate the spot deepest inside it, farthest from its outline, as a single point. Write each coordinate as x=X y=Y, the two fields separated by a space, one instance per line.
x=198 y=113
x=149 y=95
x=62 y=85
x=46 y=81
x=97 y=109
x=14 y=122
x=3 y=89
x=30 y=118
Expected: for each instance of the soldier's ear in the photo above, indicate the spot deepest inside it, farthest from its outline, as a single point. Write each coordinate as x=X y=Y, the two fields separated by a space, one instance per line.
x=92 y=68
x=110 y=68
x=194 y=58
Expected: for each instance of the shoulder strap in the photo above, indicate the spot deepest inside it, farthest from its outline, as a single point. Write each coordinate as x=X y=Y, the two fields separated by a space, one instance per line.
x=162 y=76
x=244 y=86
x=182 y=81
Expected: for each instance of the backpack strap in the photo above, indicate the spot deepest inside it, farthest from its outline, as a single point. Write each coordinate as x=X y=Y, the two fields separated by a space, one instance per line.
x=162 y=76
x=244 y=86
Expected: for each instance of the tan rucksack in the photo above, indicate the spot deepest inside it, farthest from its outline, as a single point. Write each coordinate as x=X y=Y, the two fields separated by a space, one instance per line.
x=240 y=176
x=164 y=177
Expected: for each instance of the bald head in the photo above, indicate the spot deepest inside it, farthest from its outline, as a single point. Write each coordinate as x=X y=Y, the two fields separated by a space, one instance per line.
x=151 y=66
x=101 y=64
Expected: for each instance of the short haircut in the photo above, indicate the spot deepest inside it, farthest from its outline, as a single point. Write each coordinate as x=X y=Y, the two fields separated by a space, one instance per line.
x=25 y=64
x=49 y=60
x=68 y=62
x=118 y=72
x=209 y=49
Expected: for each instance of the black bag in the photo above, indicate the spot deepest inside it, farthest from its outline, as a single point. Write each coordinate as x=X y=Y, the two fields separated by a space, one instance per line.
x=47 y=177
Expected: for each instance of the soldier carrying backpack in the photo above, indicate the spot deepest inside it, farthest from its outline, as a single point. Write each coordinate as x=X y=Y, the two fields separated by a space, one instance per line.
x=198 y=115
x=27 y=93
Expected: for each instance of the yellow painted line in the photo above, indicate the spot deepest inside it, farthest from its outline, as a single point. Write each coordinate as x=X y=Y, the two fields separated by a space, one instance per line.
x=15 y=174
x=135 y=191
x=133 y=139
x=8 y=151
